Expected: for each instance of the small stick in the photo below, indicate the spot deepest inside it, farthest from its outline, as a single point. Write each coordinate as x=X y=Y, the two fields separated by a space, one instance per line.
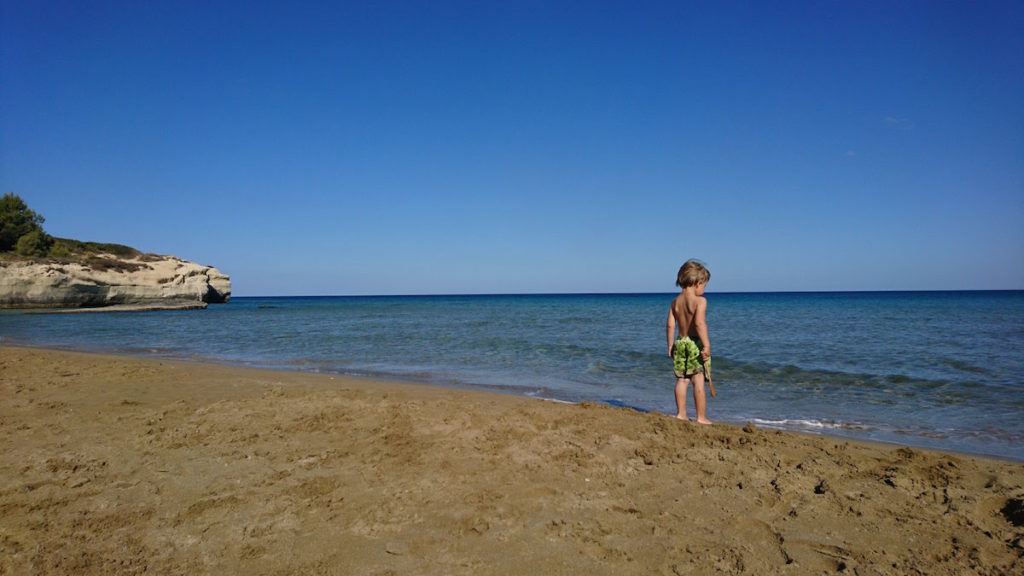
x=707 y=372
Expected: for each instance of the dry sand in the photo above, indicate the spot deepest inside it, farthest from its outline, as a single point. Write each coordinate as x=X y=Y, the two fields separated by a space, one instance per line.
x=116 y=465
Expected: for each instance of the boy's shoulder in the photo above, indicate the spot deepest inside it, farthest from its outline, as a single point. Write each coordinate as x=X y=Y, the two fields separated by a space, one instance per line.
x=689 y=298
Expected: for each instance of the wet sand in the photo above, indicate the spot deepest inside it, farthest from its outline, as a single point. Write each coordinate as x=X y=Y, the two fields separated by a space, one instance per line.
x=118 y=465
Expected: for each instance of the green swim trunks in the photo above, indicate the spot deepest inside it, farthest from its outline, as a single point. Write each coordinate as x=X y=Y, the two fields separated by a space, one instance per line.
x=686 y=360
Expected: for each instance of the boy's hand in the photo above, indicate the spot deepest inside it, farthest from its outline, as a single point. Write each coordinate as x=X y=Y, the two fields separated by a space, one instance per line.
x=672 y=351
x=705 y=354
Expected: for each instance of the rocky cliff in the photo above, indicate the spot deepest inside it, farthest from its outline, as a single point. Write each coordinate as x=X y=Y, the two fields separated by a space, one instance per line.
x=106 y=280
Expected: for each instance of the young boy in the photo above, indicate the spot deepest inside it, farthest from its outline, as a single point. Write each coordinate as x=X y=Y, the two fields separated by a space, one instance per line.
x=692 y=349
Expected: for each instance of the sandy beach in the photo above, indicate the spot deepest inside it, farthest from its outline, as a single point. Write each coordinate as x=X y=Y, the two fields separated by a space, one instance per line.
x=124 y=465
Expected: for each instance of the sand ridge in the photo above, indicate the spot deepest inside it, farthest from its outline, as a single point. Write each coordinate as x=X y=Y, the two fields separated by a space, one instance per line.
x=116 y=465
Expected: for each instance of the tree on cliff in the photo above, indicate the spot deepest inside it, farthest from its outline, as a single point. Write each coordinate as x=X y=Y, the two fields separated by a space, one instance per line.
x=16 y=220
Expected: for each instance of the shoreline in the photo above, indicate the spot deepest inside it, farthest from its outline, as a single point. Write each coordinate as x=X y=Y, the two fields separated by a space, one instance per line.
x=125 y=464
x=929 y=398
x=371 y=378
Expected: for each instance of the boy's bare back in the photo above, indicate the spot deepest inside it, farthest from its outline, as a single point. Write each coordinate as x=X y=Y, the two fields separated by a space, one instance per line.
x=686 y=309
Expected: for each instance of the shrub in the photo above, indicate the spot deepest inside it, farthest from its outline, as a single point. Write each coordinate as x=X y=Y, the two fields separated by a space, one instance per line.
x=35 y=243
x=115 y=249
x=88 y=248
x=59 y=249
x=101 y=264
x=16 y=220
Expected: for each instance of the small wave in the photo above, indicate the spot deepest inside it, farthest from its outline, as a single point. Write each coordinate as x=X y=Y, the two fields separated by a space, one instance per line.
x=808 y=424
x=620 y=404
x=304 y=362
x=791 y=375
x=964 y=366
x=144 y=350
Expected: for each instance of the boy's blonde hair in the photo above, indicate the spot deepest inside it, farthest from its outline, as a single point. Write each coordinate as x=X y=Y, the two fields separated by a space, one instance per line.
x=691 y=273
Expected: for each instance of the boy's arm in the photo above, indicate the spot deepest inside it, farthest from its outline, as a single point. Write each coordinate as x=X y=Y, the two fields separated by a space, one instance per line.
x=702 y=327
x=670 y=331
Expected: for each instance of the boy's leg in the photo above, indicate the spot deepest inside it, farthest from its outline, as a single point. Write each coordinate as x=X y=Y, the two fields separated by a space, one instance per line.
x=681 y=385
x=699 y=399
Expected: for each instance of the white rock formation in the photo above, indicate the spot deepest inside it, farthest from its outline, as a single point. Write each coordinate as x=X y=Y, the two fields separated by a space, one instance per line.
x=107 y=280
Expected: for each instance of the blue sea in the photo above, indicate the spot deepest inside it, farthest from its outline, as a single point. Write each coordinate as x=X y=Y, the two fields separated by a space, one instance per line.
x=930 y=369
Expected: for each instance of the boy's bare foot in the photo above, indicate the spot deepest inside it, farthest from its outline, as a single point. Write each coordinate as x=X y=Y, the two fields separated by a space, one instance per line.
x=704 y=421
x=683 y=418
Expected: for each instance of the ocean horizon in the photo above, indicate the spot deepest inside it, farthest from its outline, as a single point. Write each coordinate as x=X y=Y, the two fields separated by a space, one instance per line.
x=934 y=369
x=629 y=293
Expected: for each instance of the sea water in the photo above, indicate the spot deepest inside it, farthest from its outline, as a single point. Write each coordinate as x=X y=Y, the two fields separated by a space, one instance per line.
x=931 y=369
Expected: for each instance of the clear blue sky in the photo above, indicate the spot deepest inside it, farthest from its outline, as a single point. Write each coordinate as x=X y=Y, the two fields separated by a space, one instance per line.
x=482 y=147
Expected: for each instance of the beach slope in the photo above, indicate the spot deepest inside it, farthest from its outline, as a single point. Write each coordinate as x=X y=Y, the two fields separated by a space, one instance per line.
x=114 y=465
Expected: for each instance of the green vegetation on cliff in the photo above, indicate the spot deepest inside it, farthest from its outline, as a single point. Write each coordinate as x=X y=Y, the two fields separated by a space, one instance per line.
x=22 y=238
x=21 y=229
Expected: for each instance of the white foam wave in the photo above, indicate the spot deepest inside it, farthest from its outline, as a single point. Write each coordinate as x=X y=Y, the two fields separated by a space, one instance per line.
x=807 y=424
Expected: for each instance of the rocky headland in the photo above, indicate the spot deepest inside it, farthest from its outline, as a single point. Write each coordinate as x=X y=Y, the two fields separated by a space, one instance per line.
x=111 y=282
